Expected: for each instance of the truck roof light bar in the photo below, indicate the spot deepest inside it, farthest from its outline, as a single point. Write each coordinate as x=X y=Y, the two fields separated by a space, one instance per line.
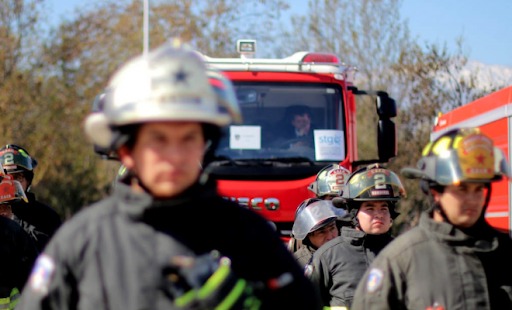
x=316 y=63
x=321 y=58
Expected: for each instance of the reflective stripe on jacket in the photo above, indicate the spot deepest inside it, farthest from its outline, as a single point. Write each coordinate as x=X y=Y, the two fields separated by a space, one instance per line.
x=10 y=302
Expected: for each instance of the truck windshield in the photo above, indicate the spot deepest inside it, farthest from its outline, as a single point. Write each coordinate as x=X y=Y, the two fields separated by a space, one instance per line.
x=286 y=121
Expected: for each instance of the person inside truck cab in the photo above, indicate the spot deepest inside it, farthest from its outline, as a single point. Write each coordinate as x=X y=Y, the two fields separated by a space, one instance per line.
x=453 y=259
x=314 y=225
x=370 y=197
x=298 y=130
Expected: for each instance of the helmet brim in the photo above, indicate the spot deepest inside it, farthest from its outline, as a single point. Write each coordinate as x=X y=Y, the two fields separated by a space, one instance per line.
x=412 y=173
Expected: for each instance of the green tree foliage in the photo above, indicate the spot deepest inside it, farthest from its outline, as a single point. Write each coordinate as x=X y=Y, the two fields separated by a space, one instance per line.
x=50 y=75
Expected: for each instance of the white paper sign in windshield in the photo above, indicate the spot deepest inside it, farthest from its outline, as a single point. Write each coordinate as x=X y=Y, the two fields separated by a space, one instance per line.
x=245 y=137
x=329 y=145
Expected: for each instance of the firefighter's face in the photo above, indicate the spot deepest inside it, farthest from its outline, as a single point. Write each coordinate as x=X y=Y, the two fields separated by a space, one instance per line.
x=461 y=204
x=374 y=217
x=324 y=234
x=166 y=156
x=20 y=177
x=6 y=211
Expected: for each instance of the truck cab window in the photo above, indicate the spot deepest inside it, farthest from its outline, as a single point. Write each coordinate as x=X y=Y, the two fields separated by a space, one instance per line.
x=280 y=120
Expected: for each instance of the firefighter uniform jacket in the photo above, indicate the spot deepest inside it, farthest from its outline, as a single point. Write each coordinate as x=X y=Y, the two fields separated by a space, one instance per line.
x=339 y=264
x=17 y=255
x=39 y=220
x=112 y=255
x=437 y=266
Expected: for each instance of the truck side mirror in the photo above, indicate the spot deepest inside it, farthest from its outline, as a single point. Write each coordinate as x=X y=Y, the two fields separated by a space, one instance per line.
x=386 y=139
x=386 y=106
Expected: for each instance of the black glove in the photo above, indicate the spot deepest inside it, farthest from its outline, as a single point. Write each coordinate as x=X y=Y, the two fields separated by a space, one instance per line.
x=207 y=282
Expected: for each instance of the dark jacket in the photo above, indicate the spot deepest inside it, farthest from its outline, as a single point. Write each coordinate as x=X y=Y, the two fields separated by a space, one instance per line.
x=17 y=256
x=39 y=220
x=112 y=255
x=438 y=264
x=339 y=264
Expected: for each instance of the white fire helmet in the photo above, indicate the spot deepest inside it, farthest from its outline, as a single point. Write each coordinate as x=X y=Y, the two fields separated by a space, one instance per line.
x=170 y=83
x=329 y=181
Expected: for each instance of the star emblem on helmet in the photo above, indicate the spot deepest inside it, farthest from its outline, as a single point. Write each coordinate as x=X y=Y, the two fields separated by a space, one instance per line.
x=180 y=76
x=480 y=158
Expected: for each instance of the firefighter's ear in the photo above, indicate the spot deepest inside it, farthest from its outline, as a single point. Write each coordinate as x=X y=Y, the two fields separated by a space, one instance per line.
x=125 y=156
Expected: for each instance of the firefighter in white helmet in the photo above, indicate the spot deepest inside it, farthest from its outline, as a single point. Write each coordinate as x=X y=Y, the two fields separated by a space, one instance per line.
x=166 y=239
x=314 y=225
x=328 y=184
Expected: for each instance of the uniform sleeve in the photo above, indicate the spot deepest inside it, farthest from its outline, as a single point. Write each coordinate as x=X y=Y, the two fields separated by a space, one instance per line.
x=51 y=285
x=299 y=294
x=267 y=259
x=320 y=278
x=381 y=286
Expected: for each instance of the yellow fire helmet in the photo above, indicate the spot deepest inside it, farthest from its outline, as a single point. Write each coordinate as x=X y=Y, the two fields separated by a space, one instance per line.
x=460 y=155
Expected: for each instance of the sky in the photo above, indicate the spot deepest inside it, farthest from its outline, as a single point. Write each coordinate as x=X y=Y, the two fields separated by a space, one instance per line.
x=485 y=25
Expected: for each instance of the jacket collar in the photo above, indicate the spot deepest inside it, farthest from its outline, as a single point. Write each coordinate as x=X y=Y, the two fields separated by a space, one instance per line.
x=354 y=236
x=453 y=236
x=135 y=204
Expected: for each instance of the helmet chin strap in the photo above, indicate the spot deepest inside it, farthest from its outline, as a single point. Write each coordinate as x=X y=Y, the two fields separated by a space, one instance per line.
x=207 y=147
x=353 y=214
x=203 y=177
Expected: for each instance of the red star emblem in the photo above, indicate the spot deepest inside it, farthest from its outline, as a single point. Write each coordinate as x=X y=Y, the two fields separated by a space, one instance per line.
x=480 y=158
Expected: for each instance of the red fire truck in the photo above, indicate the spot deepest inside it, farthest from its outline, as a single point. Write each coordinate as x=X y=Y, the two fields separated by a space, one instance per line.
x=261 y=164
x=493 y=114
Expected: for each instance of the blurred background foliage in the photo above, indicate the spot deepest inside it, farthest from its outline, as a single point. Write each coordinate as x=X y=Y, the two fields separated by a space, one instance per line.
x=50 y=73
